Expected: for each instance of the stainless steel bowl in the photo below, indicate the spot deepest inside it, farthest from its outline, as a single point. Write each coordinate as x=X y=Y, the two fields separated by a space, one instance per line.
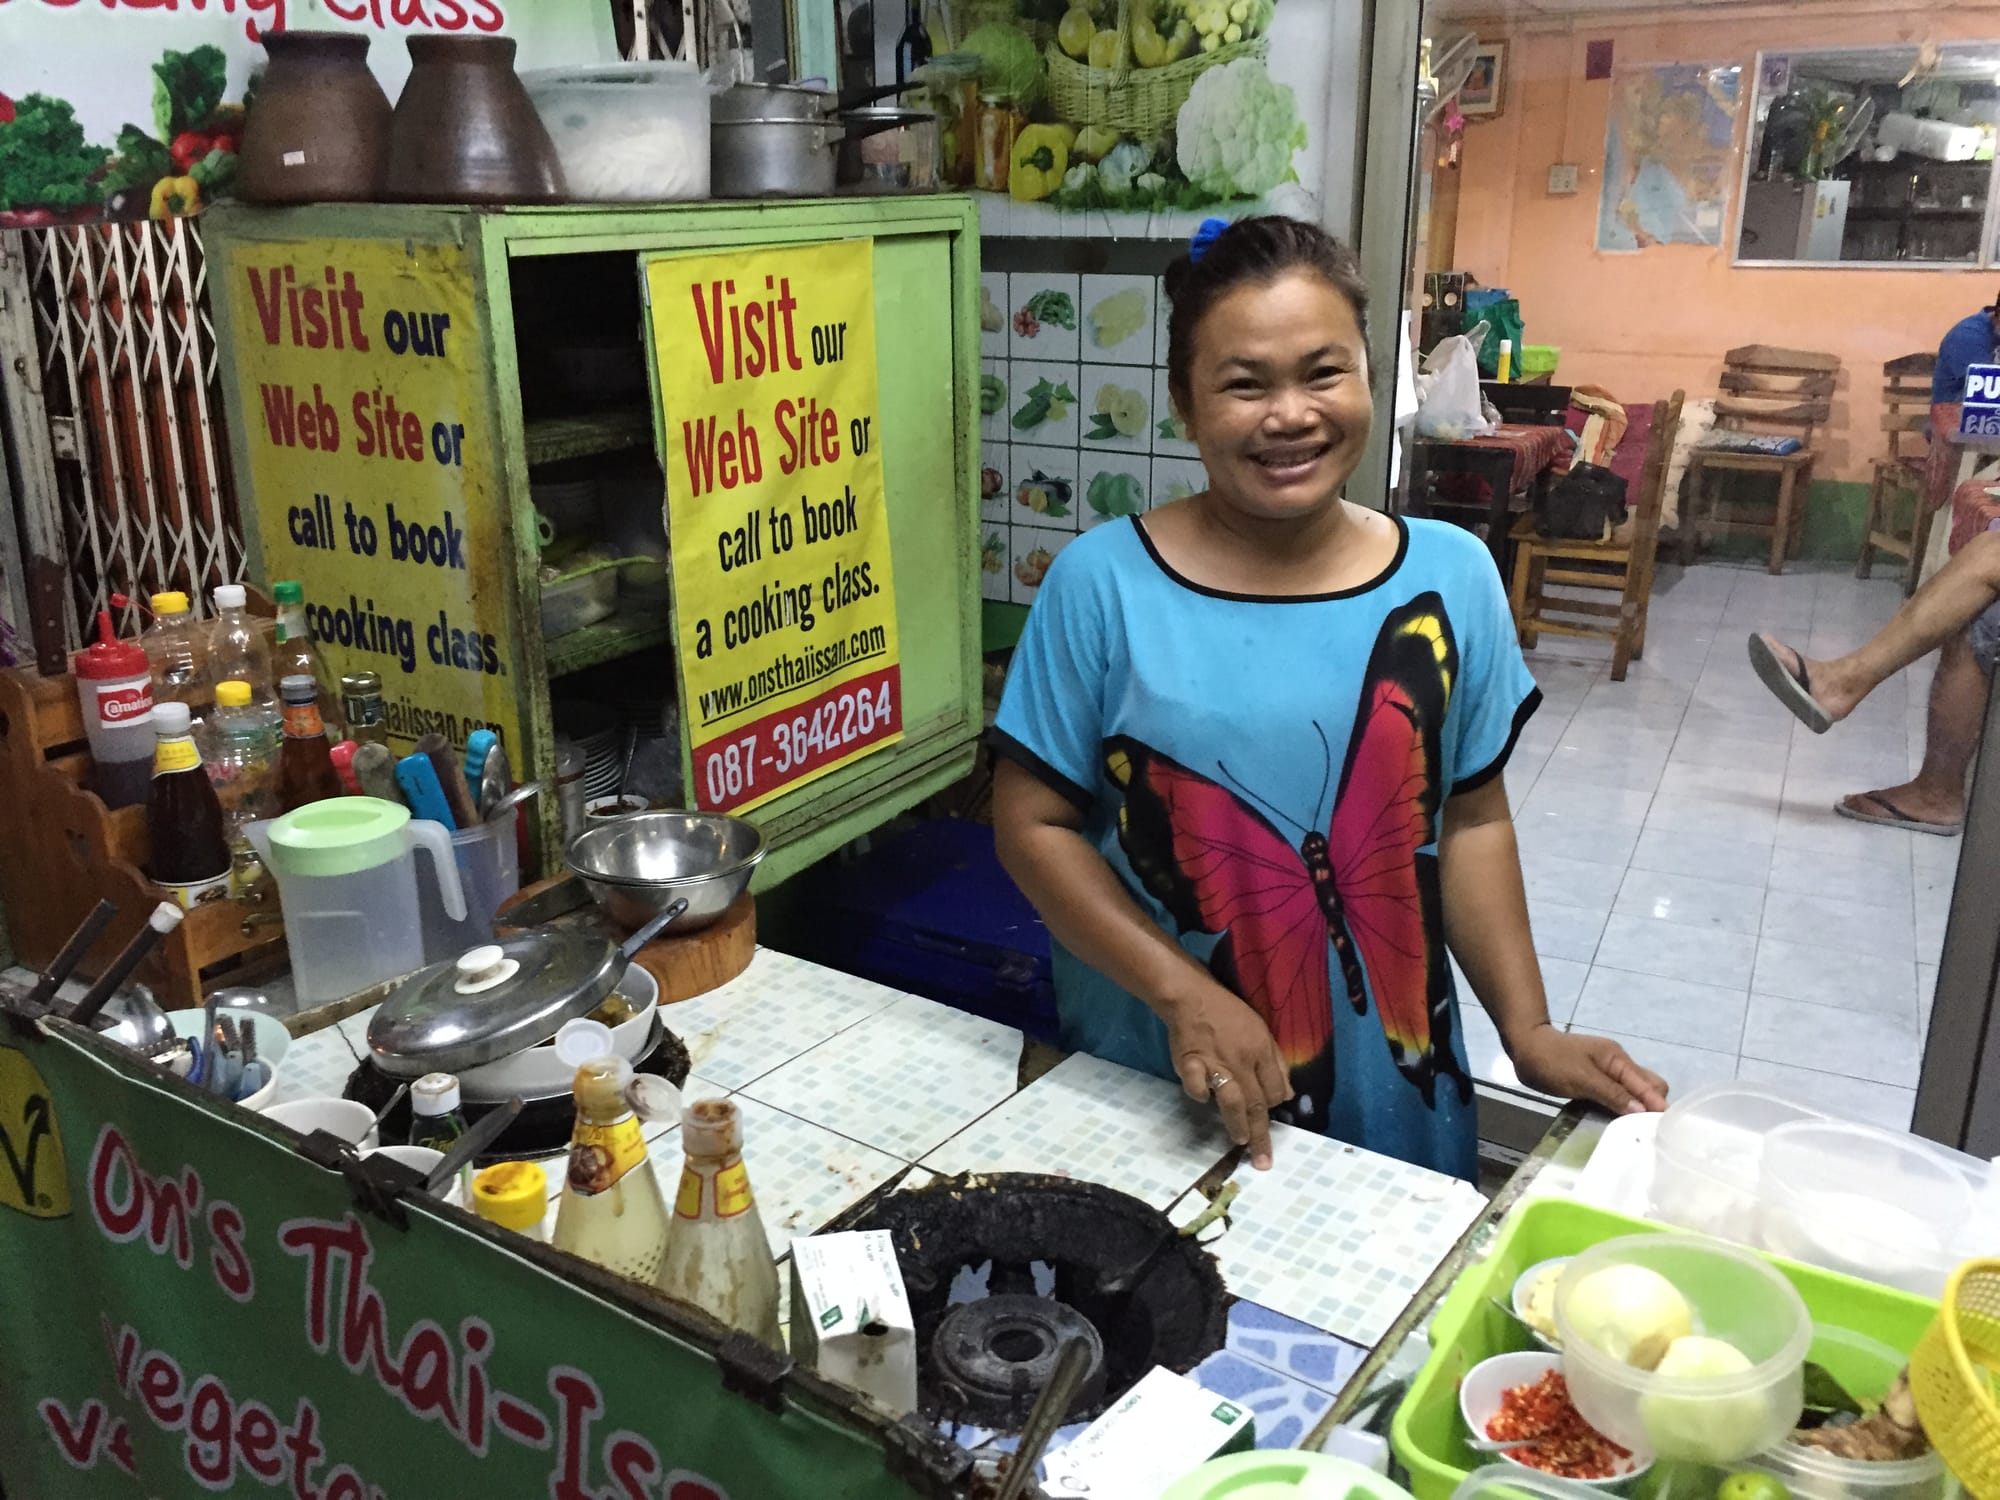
x=633 y=867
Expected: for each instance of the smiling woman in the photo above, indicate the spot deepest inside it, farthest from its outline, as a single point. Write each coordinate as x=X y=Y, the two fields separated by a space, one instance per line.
x=1252 y=745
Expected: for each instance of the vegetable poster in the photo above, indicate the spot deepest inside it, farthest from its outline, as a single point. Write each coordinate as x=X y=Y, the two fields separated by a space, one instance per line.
x=362 y=420
x=1133 y=117
x=123 y=109
x=784 y=598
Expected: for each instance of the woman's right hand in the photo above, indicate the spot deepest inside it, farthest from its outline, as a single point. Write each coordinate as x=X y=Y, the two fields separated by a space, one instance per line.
x=1213 y=1032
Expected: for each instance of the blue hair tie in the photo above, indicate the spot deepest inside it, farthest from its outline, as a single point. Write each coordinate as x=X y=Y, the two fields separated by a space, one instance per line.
x=1210 y=231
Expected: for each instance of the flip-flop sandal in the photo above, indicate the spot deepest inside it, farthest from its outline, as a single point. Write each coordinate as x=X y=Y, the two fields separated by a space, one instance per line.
x=1791 y=688
x=1892 y=816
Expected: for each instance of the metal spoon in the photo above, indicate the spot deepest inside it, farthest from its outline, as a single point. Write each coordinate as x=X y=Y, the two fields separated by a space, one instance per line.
x=504 y=807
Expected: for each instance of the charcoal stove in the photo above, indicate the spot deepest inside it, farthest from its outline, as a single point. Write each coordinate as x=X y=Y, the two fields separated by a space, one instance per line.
x=545 y=1123
x=1001 y=1268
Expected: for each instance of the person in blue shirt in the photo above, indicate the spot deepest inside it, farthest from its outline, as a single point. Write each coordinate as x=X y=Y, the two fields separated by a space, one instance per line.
x=1971 y=342
x=1251 y=753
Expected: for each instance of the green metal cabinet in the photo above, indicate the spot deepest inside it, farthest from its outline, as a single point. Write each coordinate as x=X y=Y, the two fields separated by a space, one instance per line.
x=480 y=262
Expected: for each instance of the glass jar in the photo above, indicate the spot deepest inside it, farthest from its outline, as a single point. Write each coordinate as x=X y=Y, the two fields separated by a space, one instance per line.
x=1000 y=121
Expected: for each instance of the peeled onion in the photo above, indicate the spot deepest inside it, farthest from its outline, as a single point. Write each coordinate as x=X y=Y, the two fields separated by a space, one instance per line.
x=1716 y=1430
x=1631 y=1313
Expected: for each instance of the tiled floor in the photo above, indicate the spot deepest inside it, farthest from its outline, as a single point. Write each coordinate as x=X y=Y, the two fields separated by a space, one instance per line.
x=1692 y=892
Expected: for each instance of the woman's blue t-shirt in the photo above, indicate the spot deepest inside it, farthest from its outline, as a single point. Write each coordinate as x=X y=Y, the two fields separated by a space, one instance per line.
x=1266 y=776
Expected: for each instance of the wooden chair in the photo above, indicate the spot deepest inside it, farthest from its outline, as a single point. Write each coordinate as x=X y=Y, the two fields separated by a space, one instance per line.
x=1621 y=568
x=1906 y=418
x=1775 y=392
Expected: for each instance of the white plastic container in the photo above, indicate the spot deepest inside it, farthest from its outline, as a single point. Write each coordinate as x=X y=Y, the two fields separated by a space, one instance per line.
x=1708 y=1154
x=1734 y=1296
x=627 y=132
x=1868 y=1202
x=576 y=602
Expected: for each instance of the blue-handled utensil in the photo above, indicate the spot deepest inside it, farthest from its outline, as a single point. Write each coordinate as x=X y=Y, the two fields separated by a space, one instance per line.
x=419 y=780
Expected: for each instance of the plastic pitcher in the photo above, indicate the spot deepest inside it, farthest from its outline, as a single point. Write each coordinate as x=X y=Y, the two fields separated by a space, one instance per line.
x=347 y=878
x=489 y=871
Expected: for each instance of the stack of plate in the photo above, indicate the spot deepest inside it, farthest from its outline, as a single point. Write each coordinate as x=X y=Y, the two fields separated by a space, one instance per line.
x=595 y=730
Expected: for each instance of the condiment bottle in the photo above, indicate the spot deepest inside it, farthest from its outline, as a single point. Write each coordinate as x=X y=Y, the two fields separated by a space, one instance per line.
x=236 y=649
x=295 y=652
x=244 y=771
x=190 y=853
x=437 y=1120
x=612 y=1211
x=514 y=1195
x=305 y=764
x=178 y=657
x=361 y=704
x=717 y=1255
x=114 y=686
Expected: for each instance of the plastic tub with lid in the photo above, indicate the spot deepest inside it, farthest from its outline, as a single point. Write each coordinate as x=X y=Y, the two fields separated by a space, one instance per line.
x=1706 y=1157
x=627 y=132
x=1873 y=1203
x=1510 y=1482
x=1733 y=1296
x=1279 y=1474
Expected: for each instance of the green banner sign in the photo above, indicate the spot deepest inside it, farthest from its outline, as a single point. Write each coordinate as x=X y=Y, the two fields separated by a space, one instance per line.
x=188 y=1305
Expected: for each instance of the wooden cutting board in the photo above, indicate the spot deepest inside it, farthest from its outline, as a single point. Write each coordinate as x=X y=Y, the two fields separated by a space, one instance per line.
x=686 y=964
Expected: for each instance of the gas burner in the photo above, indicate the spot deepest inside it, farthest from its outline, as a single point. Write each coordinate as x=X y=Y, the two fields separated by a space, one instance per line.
x=544 y=1125
x=1000 y=1268
x=990 y=1358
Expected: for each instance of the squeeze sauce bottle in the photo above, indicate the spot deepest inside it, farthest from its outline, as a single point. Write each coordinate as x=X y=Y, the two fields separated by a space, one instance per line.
x=114 y=687
x=717 y=1255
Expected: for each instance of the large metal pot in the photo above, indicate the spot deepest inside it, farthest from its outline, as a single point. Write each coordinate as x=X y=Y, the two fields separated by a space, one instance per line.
x=771 y=101
x=772 y=157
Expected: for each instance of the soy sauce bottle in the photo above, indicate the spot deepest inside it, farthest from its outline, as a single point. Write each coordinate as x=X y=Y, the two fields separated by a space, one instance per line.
x=190 y=853
x=305 y=763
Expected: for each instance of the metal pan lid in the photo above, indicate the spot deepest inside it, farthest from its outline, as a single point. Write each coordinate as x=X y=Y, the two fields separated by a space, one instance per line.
x=491 y=1002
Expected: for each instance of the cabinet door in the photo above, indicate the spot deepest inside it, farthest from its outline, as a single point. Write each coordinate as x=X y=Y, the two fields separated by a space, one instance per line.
x=739 y=525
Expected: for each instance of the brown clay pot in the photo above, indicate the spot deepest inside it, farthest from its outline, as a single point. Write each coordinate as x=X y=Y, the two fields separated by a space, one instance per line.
x=465 y=130
x=318 y=129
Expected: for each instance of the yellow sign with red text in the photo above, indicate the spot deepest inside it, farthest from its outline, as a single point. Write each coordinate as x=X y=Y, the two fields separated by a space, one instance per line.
x=782 y=580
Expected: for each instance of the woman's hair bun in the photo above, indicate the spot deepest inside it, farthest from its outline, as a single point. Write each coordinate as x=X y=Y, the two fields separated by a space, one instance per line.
x=1177 y=274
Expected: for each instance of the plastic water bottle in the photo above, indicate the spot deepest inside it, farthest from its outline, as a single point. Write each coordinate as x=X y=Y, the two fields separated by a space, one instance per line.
x=236 y=649
x=244 y=772
x=176 y=652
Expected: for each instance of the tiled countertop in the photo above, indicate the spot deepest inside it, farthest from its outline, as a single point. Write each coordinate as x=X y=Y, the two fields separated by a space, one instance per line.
x=845 y=1084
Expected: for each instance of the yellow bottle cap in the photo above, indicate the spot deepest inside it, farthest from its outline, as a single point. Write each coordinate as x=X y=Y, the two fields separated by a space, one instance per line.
x=232 y=694
x=173 y=602
x=512 y=1194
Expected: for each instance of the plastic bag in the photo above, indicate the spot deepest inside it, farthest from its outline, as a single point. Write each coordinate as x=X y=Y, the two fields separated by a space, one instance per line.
x=1449 y=405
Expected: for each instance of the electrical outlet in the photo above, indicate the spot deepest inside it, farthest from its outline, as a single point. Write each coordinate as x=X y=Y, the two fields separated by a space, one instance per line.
x=1562 y=177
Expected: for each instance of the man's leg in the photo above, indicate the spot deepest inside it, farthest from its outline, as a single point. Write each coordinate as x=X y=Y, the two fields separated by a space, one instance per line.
x=1935 y=615
x=1957 y=716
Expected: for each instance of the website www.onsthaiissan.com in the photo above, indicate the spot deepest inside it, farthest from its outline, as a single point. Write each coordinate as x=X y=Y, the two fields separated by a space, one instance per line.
x=796 y=670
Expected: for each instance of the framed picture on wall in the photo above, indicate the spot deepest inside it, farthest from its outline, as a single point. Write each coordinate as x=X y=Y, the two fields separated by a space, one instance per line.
x=1481 y=96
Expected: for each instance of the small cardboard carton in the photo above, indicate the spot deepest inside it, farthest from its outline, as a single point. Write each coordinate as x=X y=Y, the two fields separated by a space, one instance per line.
x=1156 y=1432
x=851 y=1317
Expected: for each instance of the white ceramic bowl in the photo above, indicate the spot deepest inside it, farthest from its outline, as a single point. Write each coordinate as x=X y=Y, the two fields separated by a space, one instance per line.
x=536 y=1072
x=418 y=1159
x=1486 y=1382
x=272 y=1043
x=1525 y=1283
x=351 y=1122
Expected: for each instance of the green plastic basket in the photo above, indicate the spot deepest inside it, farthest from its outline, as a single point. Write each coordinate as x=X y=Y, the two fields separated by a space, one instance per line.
x=1428 y=1433
x=1539 y=359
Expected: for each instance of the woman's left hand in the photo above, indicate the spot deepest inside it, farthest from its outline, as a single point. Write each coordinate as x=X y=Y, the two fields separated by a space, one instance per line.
x=1567 y=1065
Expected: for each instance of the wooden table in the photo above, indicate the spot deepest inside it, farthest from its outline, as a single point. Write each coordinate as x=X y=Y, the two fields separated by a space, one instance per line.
x=1512 y=461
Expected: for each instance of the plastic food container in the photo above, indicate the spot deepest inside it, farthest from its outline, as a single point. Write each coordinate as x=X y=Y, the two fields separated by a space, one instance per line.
x=1734 y=1296
x=627 y=132
x=1479 y=1402
x=572 y=603
x=1510 y=1482
x=1869 y=1202
x=1706 y=1157
x=1867 y=1368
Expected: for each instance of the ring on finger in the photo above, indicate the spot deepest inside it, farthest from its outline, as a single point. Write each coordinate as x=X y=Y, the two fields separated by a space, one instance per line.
x=1217 y=1080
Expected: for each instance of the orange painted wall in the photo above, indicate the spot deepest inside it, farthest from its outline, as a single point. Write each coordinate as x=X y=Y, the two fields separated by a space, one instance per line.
x=1642 y=324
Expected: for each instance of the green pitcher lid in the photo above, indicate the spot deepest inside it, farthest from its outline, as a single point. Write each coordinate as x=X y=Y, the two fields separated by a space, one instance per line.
x=1284 y=1475
x=339 y=836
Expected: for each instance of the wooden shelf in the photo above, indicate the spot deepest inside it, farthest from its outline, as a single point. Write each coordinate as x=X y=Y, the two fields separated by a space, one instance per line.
x=552 y=439
x=622 y=634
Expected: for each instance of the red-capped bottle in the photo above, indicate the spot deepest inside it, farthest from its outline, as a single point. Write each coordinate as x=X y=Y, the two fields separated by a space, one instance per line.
x=114 y=688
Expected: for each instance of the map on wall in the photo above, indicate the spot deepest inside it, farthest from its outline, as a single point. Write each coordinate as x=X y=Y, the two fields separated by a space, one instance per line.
x=1667 y=156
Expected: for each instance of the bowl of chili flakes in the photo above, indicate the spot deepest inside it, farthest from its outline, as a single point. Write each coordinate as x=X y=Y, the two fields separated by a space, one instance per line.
x=1525 y=1396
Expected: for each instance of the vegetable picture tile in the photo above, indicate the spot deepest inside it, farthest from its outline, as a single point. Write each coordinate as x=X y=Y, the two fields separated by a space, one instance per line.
x=1176 y=479
x=995 y=558
x=1042 y=490
x=1114 y=485
x=993 y=313
x=1117 y=325
x=1034 y=548
x=1117 y=407
x=1170 y=438
x=995 y=403
x=995 y=484
x=1042 y=315
x=1042 y=403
